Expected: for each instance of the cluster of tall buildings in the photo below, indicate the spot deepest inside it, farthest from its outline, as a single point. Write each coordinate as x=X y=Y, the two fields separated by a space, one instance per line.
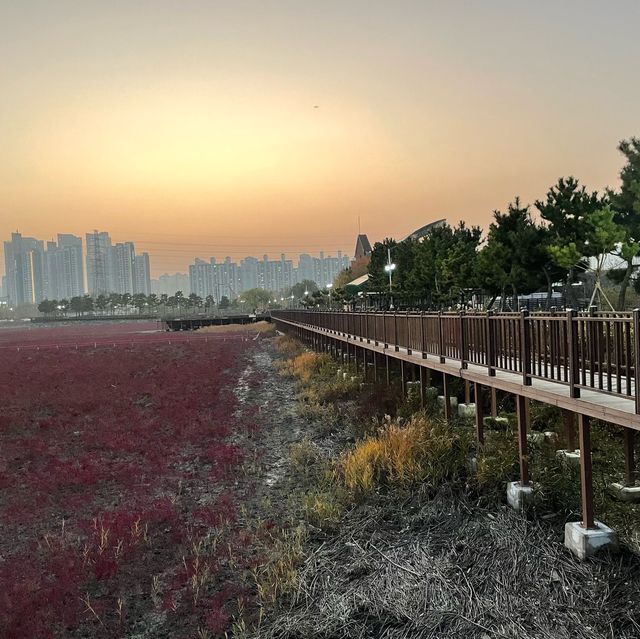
x=230 y=279
x=55 y=270
x=115 y=268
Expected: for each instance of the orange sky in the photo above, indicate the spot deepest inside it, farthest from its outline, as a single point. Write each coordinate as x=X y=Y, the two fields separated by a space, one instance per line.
x=190 y=128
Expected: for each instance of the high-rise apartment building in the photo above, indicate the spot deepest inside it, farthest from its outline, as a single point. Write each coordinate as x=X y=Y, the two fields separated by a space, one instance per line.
x=115 y=268
x=64 y=268
x=99 y=263
x=142 y=283
x=123 y=268
x=25 y=269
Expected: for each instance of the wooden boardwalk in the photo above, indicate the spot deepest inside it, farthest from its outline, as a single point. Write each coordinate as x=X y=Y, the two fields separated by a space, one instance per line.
x=584 y=364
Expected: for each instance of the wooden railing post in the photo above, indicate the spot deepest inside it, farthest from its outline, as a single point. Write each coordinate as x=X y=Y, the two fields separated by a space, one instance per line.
x=636 y=357
x=408 y=336
x=586 y=473
x=422 y=336
x=478 y=399
x=628 y=438
x=525 y=343
x=384 y=329
x=522 y=412
x=440 y=339
x=594 y=356
x=395 y=331
x=491 y=346
x=572 y=342
x=462 y=341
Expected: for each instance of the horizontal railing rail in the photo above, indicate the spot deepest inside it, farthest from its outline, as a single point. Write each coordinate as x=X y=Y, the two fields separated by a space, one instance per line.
x=594 y=350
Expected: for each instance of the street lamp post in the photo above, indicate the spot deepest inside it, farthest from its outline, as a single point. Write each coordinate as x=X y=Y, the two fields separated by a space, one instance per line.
x=389 y=268
x=329 y=288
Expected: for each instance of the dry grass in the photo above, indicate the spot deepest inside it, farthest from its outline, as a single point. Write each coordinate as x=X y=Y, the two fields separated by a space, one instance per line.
x=323 y=509
x=443 y=566
x=424 y=449
x=266 y=328
x=289 y=346
x=307 y=365
x=305 y=458
x=278 y=576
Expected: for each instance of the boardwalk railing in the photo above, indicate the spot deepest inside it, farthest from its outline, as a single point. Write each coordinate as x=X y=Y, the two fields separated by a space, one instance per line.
x=595 y=351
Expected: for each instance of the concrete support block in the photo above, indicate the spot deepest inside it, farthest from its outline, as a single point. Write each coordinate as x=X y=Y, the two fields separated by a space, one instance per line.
x=467 y=411
x=539 y=438
x=569 y=456
x=625 y=493
x=535 y=437
x=518 y=495
x=585 y=542
x=453 y=401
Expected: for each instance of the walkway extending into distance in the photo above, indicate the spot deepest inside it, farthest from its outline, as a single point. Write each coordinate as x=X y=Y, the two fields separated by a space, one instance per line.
x=584 y=363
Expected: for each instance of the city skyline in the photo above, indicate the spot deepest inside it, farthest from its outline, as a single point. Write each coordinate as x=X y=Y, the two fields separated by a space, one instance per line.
x=169 y=257
x=36 y=269
x=183 y=123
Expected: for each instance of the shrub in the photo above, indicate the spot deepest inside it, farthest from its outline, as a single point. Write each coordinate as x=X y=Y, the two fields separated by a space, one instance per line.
x=544 y=416
x=497 y=460
x=307 y=365
x=378 y=400
x=289 y=346
x=423 y=450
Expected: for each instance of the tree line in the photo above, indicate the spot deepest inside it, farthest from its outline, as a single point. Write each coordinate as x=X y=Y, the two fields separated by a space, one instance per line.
x=118 y=304
x=527 y=248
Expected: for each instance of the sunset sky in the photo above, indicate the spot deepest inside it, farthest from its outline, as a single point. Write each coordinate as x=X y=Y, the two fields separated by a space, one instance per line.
x=191 y=127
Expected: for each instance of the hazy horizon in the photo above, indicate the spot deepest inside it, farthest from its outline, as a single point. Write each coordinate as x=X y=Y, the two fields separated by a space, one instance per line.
x=214 y=128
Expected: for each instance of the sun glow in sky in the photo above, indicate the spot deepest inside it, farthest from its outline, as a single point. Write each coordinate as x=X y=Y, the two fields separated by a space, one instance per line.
x=237 y=128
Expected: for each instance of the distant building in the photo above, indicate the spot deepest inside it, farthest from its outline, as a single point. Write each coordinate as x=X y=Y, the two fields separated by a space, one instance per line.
x=115 y=268
x=64 y=268
x=25 y=270
x=363 y=247
x=201 y=279
x=169 y=284
x=278 y=276
x=99 y=263
x=142 y=274
x=123 y=268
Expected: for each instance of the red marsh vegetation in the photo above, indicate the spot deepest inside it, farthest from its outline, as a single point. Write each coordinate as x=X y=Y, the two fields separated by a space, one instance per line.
x=119 y=504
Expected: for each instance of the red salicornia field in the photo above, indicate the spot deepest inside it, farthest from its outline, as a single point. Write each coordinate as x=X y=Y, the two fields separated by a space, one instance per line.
x=119 y=504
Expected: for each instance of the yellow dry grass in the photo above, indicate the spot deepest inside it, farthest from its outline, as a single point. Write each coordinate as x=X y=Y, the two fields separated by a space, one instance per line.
x=306 y=365
x=422 y=450
x=289 y=346
x=256 y=327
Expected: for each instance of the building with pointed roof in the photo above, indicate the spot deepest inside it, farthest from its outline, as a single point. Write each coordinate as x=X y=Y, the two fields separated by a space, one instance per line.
x=363 y=247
